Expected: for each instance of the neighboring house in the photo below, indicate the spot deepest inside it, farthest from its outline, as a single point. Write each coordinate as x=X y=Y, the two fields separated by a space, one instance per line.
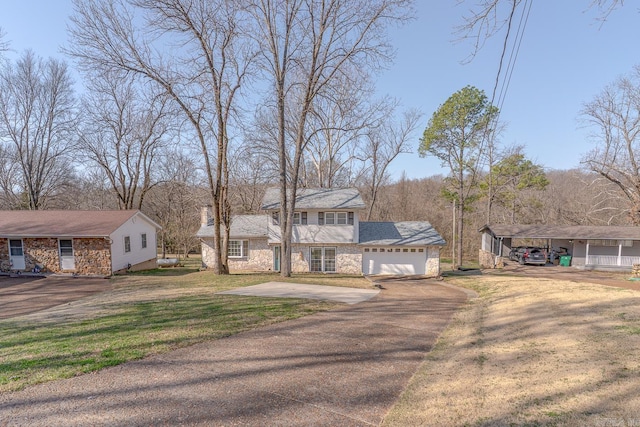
x=590 y=247
x=81 y=242
x=327 y=237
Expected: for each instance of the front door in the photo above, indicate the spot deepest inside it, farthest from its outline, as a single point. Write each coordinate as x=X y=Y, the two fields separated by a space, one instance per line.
x=276 y=258
x=67 y=261
x=16 y=254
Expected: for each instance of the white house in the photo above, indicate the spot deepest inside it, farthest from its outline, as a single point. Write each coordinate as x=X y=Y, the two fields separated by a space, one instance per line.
x=327 y=237
x=81 y=242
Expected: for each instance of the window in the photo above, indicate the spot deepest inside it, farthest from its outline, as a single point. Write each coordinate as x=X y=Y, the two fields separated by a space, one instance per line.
x=413 y=250
x=330 y=218
x=238 y=249
x=299 y=218
x=127 y=244
x=143 y=240
x=420 y=250
x=397 y=249
x=405 y=250
x=374 y=250
x=341 y=218
x=322 y=259
x=335 y=218
x=366 y=249
x=275 y=218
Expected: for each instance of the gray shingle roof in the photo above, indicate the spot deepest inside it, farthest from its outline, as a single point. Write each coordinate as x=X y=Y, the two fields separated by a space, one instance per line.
x=52 y=223
x=317 y=198
x=242 y=226
x=407 y=233
x=539 y=231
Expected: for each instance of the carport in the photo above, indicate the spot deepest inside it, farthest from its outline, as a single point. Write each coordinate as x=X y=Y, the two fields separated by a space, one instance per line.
x=591 y=247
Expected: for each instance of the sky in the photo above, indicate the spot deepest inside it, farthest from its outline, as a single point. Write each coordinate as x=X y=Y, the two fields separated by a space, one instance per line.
x=566 y=58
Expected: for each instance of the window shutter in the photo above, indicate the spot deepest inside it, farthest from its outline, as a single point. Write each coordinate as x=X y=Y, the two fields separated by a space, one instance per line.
x=350 y=218
x=320 y=218
x=245 y=248
x=303 y=218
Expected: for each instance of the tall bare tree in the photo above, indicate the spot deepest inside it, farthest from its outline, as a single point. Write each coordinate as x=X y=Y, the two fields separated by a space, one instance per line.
x=37 y=119
x=615 y=119
x=125 y=130
x=306 y=46
x=382 y=145
x=197 y=52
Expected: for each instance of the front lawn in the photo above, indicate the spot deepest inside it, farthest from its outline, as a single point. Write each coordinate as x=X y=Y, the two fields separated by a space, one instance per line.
x=144 y=314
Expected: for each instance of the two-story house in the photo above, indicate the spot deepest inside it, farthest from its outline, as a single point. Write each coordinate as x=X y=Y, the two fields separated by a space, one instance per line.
x=327 y=237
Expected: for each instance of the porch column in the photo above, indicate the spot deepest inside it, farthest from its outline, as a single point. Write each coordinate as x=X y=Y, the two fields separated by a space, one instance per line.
x=619 y=253
x=586 y=258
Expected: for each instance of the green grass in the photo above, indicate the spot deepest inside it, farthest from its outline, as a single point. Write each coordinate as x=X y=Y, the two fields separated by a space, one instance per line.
x=168 y=309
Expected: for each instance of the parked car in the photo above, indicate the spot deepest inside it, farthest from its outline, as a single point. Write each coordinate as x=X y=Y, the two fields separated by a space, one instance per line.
x=532 y=255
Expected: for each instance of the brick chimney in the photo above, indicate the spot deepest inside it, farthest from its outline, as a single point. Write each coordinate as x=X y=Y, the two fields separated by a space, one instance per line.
x=206 y=215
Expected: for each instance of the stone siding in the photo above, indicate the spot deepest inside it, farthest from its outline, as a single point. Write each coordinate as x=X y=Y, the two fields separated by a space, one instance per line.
x=92 y=256
x=349 y=260
x=489 y=260
x=41 y=252
x=5 y=263
x=433 y=261
x=260 y=256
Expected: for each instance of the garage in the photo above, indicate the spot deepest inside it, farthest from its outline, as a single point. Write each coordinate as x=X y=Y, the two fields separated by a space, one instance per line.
x=394 y=261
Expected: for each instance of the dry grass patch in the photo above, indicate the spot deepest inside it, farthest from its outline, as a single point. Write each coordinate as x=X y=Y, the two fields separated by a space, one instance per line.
x=532 y=352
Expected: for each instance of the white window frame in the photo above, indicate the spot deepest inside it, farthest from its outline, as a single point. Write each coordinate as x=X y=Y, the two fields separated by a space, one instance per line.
x=323 y=261
x=336 y=218
x=127 y=244
x=143 y=240
x=242 y=248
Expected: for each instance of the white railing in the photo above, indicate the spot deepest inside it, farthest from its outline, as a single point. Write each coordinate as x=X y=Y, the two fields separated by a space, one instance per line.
x=612 y=260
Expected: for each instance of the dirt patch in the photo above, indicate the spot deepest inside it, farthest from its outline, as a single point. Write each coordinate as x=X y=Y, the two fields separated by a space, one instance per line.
x=532 y=351
x=23 y=295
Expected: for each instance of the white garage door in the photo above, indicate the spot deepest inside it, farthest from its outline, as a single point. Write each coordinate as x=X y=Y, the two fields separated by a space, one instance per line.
x=384 y=262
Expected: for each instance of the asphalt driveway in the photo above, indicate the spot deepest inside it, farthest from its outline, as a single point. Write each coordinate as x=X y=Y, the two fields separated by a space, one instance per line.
x=24 y=295
x=343 y=367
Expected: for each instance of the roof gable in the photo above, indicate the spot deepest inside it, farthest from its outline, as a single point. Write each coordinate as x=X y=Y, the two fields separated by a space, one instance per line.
x=55 y=223
x=406 y=233
x=317 y=198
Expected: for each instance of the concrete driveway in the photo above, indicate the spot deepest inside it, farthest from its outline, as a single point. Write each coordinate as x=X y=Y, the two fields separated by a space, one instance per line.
x=24 y=295
x=343 y=367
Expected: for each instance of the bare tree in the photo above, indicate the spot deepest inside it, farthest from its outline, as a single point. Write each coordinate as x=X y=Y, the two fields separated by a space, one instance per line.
x=197 y=52
x=382 y=145
x=38 y=118
x=175 y=202
x=306 y=46
x=125 y=130
x=615 y=117
x=341 y=122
